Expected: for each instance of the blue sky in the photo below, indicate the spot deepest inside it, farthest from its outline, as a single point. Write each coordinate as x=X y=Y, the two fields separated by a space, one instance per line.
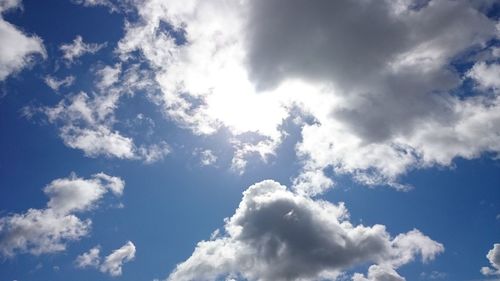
x=249 y=140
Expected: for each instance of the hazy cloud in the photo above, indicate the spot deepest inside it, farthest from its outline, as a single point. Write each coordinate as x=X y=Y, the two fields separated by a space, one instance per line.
x=78 y=48
x=55 y=83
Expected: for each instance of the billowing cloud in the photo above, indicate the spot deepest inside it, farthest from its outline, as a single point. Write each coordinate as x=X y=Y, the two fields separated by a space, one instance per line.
x=494 y=257
x=48 y=230
x=379 y=89
x=279 y=235
x=113 y=263
x=17 y=49
x=78 y=48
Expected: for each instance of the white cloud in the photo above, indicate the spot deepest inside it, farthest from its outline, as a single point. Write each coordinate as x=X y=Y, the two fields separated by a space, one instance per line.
x=433 y=275
x=278 y=235
x=86 y=121
x=207 y=157
x=90 y=3
x=113 y=6
x=89 y=259
x=55 y=83
x=153 y=153
x=113 y=263
x=380 y=90
x=78 y=48
x=17 y=49
x=40 y=231
x=494 y=257
x=108 y=75
x=69 y=195
x=98 y=141
x=379 y=273
x=486 y=75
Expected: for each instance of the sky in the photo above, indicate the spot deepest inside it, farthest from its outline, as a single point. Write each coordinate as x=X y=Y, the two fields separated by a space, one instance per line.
x=257 y=140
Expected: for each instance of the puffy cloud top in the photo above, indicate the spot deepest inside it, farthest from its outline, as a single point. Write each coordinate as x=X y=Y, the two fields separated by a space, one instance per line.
x=278 y=235
x=494 y=258
x=377 y=78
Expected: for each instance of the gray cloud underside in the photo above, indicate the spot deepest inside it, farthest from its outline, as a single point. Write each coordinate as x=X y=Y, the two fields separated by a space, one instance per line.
x=278 y=235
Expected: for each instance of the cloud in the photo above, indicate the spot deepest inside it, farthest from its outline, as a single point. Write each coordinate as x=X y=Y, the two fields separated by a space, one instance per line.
x=78 y=48
x=86 y=121
x=433 y=275
x=112 y=263
x=17 y=49
x=379 y=273
x=207 y=157
x=113 y=6
x=69 y=195
x=380 y=89
x=98 y=141
x=89 y=259
x=108 y=75
x=153 y=153
x=55 y=83
x=487 y=76
x=277 y=235
x=494 y=257
x=48 y=230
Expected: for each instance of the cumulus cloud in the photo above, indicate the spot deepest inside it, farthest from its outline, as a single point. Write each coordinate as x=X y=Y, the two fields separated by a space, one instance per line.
x=89 y=259
x=379 y=273
x=78 y=48
x=112 y=263
x=17 y=49
x=494 y=257
x=376 y=77
x=278 y=235
x=48 y=230
x=55 y=83
x=487 y=76
x=86 y=121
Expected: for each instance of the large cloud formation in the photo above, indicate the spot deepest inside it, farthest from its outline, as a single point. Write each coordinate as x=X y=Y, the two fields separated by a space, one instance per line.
x=379 y=79
x=16 y=48
x=279 y=235
x=40 y=231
